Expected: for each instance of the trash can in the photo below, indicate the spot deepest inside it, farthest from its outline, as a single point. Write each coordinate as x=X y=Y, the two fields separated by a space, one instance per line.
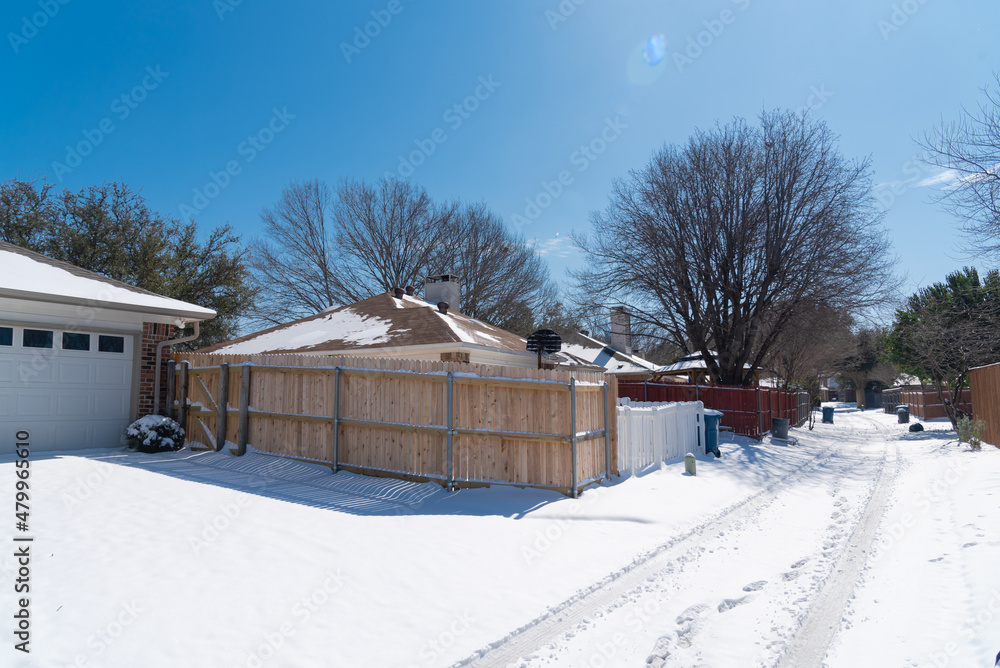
x=779 y=428
x=712 y=420
x=828 y=414
x=903 y=414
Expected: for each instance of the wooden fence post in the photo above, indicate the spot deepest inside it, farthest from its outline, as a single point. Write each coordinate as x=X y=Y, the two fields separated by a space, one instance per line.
x=182 y=409
x=645 y=390
x=171 y=389
x=223 y=406
x=244 y=437
x=336 y=419
x=572 y=427
x=607 y=433
x=451 y=432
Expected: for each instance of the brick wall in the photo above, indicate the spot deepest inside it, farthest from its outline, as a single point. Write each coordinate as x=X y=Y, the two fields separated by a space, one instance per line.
x=152 y=334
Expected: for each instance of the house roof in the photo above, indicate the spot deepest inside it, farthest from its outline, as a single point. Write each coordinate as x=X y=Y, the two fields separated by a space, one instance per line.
x=382 y=321
x=596 y=352
x=29 y=275
x=688 y=363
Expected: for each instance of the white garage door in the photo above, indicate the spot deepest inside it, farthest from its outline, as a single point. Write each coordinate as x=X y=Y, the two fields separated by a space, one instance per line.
x=69 y=390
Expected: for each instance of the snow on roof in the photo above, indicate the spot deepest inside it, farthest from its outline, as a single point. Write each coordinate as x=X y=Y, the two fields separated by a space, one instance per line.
x=689 y=363
x=29 y=275
x=381 y=321
x=344 y=325
x=596 y=352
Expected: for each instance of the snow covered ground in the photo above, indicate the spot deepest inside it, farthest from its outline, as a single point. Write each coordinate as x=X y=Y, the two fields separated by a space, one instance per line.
x=863 y=545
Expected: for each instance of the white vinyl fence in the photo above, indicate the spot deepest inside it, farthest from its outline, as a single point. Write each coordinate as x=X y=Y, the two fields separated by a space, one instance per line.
x=650 y=433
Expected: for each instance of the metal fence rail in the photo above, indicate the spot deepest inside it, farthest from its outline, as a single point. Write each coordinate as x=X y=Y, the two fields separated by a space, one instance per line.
x=443 y=421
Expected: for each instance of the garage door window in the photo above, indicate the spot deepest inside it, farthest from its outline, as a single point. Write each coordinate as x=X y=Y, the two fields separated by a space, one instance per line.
x=37 y=338
x=6 y=336
x=72 y=341
x=111 y=344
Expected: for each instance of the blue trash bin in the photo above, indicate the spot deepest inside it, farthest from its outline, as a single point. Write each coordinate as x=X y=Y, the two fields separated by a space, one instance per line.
x=828 y=414
x=712 y=420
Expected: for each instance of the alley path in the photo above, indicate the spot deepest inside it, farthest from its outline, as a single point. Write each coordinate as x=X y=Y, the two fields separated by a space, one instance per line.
x=763 y=582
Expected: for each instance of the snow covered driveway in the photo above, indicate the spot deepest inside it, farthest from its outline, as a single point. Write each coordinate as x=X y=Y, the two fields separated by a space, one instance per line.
x=204 y=559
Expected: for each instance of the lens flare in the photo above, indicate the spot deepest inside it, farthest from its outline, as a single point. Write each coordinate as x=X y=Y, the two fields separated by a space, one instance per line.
x=655 y=51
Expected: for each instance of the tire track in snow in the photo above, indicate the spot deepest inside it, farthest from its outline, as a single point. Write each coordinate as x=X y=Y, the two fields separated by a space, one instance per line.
x=563 y=617
x=809 y=646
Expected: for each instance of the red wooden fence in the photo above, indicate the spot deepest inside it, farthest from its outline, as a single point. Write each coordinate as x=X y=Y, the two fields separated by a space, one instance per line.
x=746 y=410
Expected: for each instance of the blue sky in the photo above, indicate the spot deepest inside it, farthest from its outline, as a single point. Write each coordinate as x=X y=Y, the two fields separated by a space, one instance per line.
x=234 y=99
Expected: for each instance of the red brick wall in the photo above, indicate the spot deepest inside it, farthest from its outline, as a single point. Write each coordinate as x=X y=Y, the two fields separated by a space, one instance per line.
x=152 y=334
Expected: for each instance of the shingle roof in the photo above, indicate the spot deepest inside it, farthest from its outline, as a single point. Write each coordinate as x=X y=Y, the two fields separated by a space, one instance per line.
x=381 y=321
x=597 y=352
x=25 y=274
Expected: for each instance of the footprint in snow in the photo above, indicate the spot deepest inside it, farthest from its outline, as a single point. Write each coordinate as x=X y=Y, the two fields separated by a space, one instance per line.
x=970 y=544
x=800 y=563
x=755 y=586
x=935 y=560
x=731 y=603
x=791 y=575
x=690 y=623
x=691 y=614
x=661 y=650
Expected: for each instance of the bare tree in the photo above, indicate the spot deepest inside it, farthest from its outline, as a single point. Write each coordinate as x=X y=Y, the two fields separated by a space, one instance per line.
x=720 y=241
x=969 y=149
x=807 y=350
x=294 y=267
x=501 y=275
x=326 y=248
x=386 y=236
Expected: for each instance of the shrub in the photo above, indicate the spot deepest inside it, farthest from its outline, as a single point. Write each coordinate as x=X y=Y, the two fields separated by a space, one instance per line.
x=971 y=431
x=154 y=433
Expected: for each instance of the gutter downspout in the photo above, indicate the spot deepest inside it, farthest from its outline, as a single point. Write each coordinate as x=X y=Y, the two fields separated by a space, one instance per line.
x=159 y=357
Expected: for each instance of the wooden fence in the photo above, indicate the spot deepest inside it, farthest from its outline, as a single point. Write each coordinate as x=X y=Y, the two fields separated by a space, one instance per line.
x=457 y=424
x=746 y=410
x=923 y=403
x=650 y=433
x=985 y=384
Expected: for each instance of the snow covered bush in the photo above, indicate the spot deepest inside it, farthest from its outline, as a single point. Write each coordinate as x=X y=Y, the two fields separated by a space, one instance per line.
x=154 y=433
x=971 y=431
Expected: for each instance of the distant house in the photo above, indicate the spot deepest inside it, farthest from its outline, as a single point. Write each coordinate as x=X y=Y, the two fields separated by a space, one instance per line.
x=397 y=325
x=77 y=351
x=623 y=365
x=694 y=369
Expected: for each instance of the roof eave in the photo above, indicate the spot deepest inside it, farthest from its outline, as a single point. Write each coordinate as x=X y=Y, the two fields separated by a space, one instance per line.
x=178 y=314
